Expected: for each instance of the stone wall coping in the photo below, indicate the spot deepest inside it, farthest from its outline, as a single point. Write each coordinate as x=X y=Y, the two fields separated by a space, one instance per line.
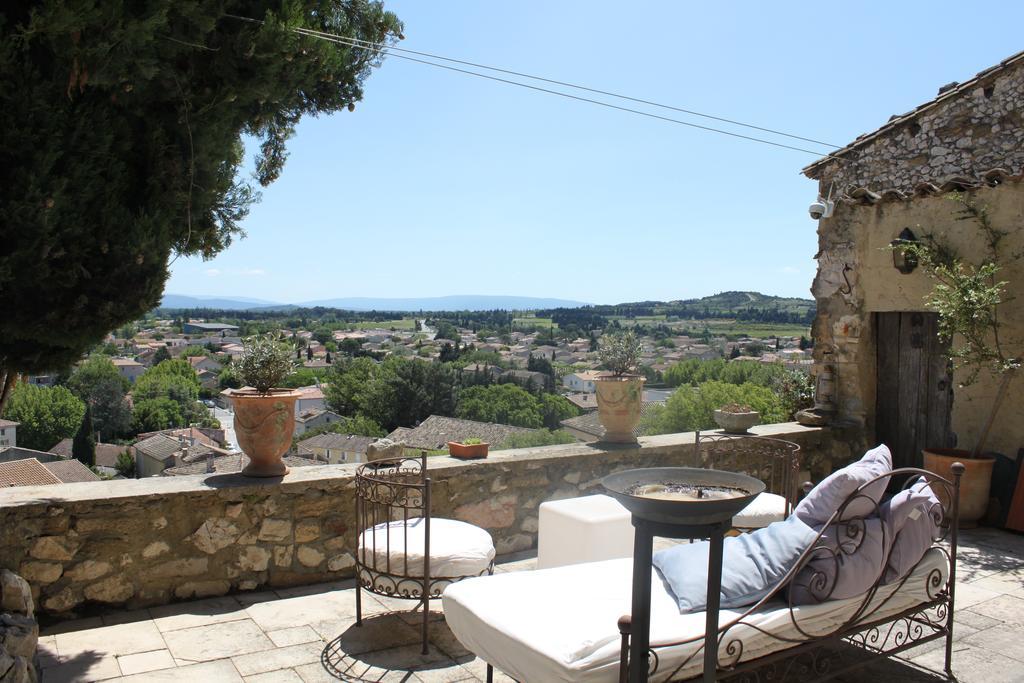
x=300 y=477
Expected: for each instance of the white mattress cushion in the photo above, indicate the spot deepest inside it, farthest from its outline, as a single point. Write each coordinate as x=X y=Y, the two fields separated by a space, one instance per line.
x=456 y=548
x=762 y=511
x=559 y=624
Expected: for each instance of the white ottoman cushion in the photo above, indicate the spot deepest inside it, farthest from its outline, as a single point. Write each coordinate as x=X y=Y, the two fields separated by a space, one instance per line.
x=766 y=509
x=456 y=548
x=584 y=529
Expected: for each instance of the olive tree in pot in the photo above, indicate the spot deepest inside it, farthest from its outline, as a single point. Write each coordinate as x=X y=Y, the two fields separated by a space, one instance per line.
x=967 y=297
x=264 y=415
x=620 y=388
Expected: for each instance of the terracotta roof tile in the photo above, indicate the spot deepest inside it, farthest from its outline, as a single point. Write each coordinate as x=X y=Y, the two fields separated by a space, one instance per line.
x=27 y=472
x=71 y=471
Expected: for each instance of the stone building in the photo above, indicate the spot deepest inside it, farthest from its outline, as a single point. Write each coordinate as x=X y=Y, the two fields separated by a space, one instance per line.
x=873 y=327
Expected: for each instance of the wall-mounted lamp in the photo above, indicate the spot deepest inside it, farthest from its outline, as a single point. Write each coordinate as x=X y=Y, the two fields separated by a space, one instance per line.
x=903 y=260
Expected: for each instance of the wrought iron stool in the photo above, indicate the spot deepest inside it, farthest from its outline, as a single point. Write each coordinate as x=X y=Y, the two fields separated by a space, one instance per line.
x=401 y=551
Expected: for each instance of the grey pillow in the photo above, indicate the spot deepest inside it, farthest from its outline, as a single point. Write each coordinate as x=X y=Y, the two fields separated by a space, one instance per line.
x=825 y=498
x=752 y=565
x=847 y=560
x=914 y=515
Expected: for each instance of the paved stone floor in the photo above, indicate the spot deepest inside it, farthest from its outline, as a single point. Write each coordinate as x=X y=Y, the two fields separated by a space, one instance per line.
x=308 y=634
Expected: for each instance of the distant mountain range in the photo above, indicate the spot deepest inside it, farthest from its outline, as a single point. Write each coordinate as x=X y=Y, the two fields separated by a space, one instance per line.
x=463 y=302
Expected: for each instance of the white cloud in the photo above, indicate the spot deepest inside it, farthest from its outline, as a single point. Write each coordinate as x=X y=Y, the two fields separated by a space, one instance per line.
x=789 y=270
x=212 y=272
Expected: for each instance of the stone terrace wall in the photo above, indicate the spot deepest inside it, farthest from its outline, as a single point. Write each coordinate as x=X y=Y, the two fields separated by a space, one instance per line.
x=977 y=127
x=136 y=543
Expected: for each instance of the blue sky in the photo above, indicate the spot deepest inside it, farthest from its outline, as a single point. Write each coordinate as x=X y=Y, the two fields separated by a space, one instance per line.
x=441 y=183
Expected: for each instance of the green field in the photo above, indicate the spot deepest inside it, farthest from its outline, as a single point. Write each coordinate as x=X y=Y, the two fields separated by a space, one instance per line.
x=750 y=329
x=403 y=324
x=532 y=321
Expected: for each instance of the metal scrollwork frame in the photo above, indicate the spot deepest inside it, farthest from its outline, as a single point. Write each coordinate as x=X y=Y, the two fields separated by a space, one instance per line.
x=389 y=494
x=776 y=462
x=813 y=655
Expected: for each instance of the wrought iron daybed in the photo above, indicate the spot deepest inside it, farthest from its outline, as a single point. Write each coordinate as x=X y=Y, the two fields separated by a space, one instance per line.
x=559 y=624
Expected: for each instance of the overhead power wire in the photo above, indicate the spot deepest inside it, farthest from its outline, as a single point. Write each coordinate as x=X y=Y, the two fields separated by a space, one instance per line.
x=596 y=91
x=360 y=44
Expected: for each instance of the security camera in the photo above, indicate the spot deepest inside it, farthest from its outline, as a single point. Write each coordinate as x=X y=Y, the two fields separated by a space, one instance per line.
x=821 y=209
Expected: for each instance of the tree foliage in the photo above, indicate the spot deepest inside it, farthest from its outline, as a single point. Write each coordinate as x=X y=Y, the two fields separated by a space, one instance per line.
x=83 y=446
x=397 y=392
x=101 y=386
x=167 y=395
x=122 y=145
x=46 y=414
x=689 y=409
x=542 y=437
x=502 y=403
x=125 y=465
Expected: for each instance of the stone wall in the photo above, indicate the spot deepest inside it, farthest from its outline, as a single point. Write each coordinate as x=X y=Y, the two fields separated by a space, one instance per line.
x=967 y=131
x=19 y=631
x=856 y=278
x=87 y=546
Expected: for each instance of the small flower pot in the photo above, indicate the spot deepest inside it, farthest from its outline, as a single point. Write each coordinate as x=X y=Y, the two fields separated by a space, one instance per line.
x=264 y=425
x=736 y=423
x=471 y=451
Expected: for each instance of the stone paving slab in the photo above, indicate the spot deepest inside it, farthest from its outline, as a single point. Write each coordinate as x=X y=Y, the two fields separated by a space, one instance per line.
x=308 y=634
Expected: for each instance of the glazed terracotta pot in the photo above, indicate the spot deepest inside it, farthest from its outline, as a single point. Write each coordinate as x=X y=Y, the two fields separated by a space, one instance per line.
x=618 y=406
x=974 y=484
x=468 y=451
x=736 y=423
x=264 y=424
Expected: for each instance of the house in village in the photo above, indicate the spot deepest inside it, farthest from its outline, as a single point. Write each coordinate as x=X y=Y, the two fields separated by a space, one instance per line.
x=436 y=431
x=581 y=381
x=222 y=329
x=313 y=419
x=310 y=399
x=335 y=449
x=201 y=363
x=32 y=472
x=873 y=329
x=8 y=433
x=106 y=454
x=129 y=368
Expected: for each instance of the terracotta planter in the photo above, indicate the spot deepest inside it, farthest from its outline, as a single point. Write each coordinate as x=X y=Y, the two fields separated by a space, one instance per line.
x=468 y=451
x=974 y=484
x=736 y=423
x=264 y=424
x=618 y=406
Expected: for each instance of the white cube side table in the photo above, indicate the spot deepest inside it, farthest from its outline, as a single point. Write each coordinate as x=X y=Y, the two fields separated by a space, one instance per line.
x=585 y=529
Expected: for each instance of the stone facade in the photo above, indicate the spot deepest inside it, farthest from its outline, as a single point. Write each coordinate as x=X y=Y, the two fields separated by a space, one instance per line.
x=896 y=178
x=19 y=631
x=85 y=547
x=856 y=279
x=966 y=131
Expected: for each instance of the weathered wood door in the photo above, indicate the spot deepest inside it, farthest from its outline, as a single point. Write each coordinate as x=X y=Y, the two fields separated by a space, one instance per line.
x=915 y=392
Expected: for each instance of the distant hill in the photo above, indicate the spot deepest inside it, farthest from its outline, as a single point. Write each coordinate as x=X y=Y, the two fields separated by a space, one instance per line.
x=459 y=302
x=745 y=306
x=235 y=303
x=463 y=302
x=736 y=302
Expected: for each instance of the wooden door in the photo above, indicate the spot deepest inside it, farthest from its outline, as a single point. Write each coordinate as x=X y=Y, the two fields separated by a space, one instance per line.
x=915 y=392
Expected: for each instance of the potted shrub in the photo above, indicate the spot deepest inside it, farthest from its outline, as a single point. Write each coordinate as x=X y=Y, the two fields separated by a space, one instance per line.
x=620 y=388
x=734 y=418
x=264 y=415
x=967 y=297
x=468 y=449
